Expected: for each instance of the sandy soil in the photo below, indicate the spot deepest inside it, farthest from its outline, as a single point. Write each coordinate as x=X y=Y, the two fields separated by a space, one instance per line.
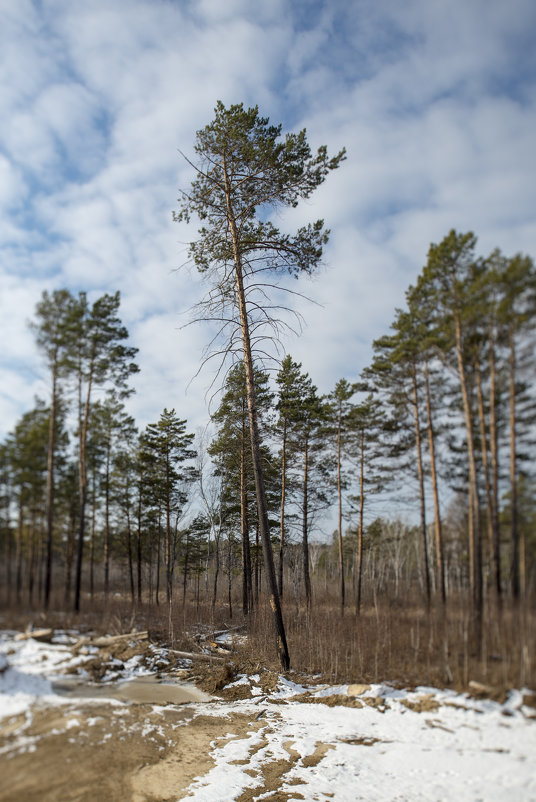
x=130 y=753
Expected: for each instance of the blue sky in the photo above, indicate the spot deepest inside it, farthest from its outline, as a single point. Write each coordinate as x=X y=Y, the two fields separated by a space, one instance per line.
x=435 y=102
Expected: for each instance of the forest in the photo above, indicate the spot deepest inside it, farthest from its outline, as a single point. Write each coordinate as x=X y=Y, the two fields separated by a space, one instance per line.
x=99 y=516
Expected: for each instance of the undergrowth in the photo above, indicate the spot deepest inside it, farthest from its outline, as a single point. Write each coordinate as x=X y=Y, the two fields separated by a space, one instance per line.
x=390 y=641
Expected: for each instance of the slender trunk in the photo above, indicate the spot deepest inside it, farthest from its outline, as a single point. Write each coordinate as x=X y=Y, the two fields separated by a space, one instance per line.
x=158 y=559
x=216 y=571
x=69 y=555
x=7 y=552
x=169 y=538
x=229 y=577
x=49 y=504
x=185 y=573
x=31 y=556
x=138 y=544
x=360 y=525
x=339 y=495
x=523 y=563
x=437 y=514
x=514 y=530
x=494 y=447
x=420 y=474
x=41 y=554
x=129 y=548
x=244 y=525
x=18 y=551
x=485 y=460
x=82 y=478
x=92 y=537
x=283 y=498
x=107 y=519
x=305 y=525
x=257 y=565
x=475 y=547
x=262 y=505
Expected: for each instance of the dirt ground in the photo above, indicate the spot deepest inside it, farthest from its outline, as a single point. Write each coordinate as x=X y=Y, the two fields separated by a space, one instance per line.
x=100 y=751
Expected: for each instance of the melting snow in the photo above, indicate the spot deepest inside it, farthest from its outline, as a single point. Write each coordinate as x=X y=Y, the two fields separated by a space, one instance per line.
x=425 y=745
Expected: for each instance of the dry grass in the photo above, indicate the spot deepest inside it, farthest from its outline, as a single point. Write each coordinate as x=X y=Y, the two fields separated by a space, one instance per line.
x=394 y=642
x=403 y=644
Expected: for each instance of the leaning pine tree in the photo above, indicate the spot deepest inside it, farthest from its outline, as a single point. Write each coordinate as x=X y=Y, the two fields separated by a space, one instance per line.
x=245 y=170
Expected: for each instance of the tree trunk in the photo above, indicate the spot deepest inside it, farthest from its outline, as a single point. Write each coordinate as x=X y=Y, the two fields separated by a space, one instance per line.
x=107 y=519
x=494 y=447
x=186 y=566
x=437 y=514
x=305 y=526
x=229 y=577
x=339 y=495
x=18 y=550
x=169 y=543
x=420 y=474
x=360 y=525
x=244 y=526
x=262 y=505
x=475 y=550
x=138 y=544
x=159 y=559
x=129 y=549
x=283 y=498
x=514 y=530
x=82 y=478
x=485 y=460
x=50 y=482
x=216 y=572
x=92 y=538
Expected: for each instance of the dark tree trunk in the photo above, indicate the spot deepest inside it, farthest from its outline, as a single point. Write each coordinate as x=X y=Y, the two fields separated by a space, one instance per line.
x=437 y=514
x=305 y=526
x=50 y=484
x=514 y=529
x=283 y=499
x=339 y=494
x=360 y=529
x=420 y=474
x=258 y=473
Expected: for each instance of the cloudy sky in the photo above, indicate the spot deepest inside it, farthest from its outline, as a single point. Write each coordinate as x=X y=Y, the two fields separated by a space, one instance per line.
x=435 y=101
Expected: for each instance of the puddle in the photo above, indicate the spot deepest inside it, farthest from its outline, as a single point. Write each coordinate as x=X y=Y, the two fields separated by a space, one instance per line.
x=141 y=690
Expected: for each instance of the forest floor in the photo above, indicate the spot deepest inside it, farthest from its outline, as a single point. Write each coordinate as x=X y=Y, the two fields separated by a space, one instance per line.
x=124 y=719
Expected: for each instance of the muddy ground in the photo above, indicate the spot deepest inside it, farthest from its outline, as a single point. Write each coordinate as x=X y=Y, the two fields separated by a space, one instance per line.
x=99 y=751
x=129 y=719
x=138 y=741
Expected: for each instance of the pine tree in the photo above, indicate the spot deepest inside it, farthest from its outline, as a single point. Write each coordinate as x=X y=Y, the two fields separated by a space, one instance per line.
x=340 y=411
x=244 y=170
x=308 y=421
x=170 y=446
x=449 y=279
x=365 y=429
x=54 y=329
x=110 y=425
x=289 y=382
x=231 y=447
x=27 y=450
x=101 y=359
x=517 y=314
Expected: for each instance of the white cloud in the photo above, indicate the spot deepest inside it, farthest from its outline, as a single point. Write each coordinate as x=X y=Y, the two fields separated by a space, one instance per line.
x=432 y=101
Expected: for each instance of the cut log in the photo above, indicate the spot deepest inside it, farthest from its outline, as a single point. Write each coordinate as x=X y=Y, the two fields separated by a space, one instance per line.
x=108 y=640
x=194 y=656
x=37 y=634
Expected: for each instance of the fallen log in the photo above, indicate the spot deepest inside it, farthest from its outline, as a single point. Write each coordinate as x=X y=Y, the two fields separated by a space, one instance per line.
x=108 y=640
x=194 y=655
x=37 y=634
x=227 y=631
